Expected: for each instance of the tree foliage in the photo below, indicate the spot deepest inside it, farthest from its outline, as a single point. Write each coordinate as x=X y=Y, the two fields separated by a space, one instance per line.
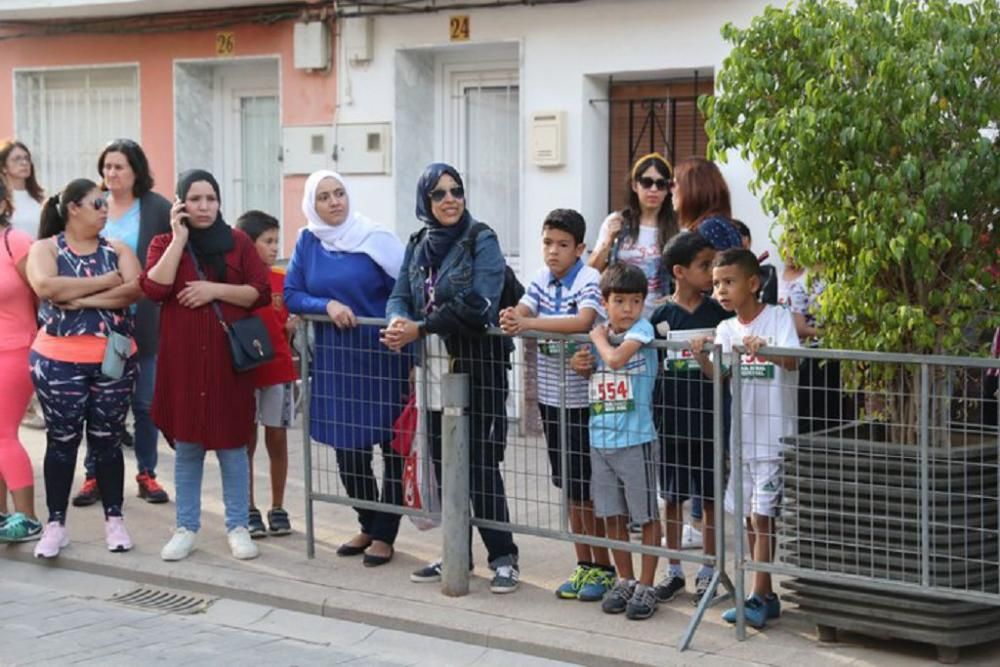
x=872 y=129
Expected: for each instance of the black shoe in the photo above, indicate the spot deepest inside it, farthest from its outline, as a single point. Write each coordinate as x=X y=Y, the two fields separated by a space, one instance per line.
x=351 y=550
x=88 y=495
x=617 y=600
x=256 y=524
x=669 y=587
x=371 y=560
x=278 y=523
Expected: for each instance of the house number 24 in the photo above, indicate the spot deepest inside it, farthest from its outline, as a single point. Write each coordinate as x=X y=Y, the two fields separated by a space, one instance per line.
x=458 y=28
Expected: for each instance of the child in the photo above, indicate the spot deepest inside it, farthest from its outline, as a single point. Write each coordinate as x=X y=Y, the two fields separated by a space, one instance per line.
x=565 y=298
x=623 y=449
x=685 y=424
x=274 y=380
x=768 y=409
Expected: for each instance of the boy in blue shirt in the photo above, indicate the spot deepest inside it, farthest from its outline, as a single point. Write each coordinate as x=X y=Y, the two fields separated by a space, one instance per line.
x=685 y=404
x=565 y=297
x=623 y=447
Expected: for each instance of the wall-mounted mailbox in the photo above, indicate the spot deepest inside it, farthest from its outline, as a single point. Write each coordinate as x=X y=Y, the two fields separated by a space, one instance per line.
x=363 y=148
x=306 y=149
x=548 y=138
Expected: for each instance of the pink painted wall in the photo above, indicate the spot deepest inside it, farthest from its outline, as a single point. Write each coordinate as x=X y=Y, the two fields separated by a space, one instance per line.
x=307 y=98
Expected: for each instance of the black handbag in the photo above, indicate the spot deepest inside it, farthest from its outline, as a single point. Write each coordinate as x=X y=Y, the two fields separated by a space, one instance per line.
x=249 y=343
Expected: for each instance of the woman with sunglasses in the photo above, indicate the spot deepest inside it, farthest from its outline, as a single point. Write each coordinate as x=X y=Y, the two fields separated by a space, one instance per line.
x=135 y=215
x=636 y=234
x=701 y=200
x=449 y=291
x=26 y=194
x=85 y=284
x=344 y=266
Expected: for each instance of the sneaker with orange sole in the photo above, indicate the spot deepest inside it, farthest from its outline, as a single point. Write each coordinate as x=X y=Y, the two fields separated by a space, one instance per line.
x=89 y=493
x=150 y=490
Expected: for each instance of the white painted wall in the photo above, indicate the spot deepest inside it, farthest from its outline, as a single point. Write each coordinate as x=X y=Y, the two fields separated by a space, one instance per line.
x=566 y=54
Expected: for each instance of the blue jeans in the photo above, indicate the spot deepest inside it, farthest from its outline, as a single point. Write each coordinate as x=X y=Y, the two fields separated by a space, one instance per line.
x=189 y=467
x=146 y=434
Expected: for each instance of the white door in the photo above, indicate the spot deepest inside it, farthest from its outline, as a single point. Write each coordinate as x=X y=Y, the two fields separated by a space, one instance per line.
x=66 y=116
x=253 y=170
x=484 y=143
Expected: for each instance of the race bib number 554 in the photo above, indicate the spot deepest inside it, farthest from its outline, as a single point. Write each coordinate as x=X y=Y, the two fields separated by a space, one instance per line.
x=611 y=392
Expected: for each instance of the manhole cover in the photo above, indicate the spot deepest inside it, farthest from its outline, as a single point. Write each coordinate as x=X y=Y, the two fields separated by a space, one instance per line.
x=158 y=599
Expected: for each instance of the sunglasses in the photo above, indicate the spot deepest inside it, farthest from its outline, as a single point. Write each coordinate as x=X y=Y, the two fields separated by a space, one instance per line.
x=99 y=203
x=648 y=183
x=437 y=196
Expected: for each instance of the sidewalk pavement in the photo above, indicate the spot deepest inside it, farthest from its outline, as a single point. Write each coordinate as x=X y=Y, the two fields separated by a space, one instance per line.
x=531 y=620
x=65 y=617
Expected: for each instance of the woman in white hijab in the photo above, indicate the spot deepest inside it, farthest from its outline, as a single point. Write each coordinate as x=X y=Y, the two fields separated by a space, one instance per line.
x=345 y=266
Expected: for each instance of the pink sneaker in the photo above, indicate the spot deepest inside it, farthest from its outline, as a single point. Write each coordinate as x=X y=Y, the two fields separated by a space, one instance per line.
x=53 y=539
x=115 y=534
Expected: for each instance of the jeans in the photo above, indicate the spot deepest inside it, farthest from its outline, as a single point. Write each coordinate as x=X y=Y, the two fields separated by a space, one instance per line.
x=489 y=499
x=189 y=467
x=77 y=397
x=146 y=434
x=355 y=467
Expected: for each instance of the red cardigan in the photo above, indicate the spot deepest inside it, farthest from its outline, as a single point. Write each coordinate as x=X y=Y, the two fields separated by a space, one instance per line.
x=199 y=398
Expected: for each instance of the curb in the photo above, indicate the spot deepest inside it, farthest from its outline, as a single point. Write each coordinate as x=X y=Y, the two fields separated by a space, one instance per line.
x=348 y=605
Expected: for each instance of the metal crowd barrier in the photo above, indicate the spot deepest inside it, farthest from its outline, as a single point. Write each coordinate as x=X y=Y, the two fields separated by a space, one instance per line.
x=890 y=476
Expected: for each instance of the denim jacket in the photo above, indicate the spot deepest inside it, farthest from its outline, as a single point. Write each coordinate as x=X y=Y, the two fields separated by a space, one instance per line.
x=466 y=290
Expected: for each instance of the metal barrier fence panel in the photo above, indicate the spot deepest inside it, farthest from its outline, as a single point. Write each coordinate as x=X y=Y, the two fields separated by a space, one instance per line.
x=861 y=468
x=887 y=468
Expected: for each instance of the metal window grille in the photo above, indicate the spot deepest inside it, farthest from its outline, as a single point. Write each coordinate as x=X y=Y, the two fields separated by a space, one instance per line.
x=66 y=117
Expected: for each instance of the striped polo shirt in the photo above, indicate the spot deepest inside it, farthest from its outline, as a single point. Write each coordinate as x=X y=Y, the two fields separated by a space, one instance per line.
x=548 y=296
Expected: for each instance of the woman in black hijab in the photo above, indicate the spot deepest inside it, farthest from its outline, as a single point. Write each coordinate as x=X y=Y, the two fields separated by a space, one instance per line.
x=200 y=403
x=448 y=290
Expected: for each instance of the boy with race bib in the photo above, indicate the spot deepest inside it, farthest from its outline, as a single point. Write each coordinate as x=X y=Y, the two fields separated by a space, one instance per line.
x=768 y=412
x=623 y=442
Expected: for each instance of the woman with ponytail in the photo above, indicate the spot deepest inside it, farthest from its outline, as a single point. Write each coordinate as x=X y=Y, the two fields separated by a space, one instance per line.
x=636 y=234
x=85 y=284
x=200 y=402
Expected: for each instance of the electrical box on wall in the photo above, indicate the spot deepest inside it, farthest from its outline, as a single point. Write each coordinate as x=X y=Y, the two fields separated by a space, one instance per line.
x=548 y=138
x=357 y=34
x=306 y=149
x=362 y=148
x=311 y=45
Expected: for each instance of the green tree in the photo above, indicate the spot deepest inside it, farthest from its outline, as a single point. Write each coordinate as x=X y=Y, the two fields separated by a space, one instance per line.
x=872 y=130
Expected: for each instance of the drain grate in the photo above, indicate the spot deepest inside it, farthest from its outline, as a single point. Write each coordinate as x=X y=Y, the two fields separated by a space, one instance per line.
x=158 y=599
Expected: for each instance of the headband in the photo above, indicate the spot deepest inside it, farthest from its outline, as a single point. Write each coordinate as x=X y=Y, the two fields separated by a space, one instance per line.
x=655 y=156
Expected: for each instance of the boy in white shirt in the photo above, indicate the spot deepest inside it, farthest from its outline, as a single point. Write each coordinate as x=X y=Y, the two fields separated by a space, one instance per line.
x=768 y=412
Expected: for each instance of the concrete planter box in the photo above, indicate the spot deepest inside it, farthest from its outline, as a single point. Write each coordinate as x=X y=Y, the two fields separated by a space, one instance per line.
x=853 y=504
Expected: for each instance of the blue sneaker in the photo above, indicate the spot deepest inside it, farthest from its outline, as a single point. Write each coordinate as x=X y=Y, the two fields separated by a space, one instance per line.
x=599 y=581
x=19 y=528
x=570 y=589
x=757 y=610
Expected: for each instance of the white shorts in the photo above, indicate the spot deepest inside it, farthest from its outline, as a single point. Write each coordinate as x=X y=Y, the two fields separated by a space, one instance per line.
x=276 y=405
x=762 y=485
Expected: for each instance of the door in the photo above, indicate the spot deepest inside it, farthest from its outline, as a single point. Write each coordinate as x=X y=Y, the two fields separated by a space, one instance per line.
x=254 y=170
x=483 y=140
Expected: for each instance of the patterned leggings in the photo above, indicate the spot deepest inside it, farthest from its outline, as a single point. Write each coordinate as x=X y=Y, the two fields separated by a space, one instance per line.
x=73 y=397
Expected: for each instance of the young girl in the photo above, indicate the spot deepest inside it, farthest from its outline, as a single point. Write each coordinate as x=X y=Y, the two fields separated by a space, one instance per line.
x=636 y=234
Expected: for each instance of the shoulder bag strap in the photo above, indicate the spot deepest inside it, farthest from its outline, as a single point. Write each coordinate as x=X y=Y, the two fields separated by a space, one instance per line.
x=201 y=276
x=6 y=241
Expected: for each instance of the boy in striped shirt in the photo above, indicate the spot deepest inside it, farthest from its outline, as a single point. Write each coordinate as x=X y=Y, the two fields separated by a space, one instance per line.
x=565 y=298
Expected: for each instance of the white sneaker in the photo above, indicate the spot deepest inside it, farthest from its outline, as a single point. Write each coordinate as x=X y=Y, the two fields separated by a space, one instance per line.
x=241 y=544
x=180 y=545
x=691 y=537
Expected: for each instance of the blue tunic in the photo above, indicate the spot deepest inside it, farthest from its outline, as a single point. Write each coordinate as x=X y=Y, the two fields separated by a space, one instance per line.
x=358 y=386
